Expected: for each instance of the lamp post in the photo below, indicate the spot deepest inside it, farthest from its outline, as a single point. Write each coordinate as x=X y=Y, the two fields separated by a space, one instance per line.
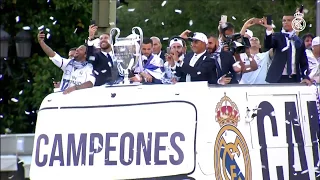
x=23 y=45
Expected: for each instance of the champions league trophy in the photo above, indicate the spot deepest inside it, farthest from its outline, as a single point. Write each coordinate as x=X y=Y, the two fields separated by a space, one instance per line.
x=126 y=51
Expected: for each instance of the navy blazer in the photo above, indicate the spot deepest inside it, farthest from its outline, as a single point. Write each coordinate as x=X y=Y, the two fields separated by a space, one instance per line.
x=277 y=41
x=203 y=69
x=104 y=70
x=227 y=62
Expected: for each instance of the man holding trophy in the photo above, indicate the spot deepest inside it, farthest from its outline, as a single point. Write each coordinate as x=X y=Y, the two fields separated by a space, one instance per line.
x=134 y=58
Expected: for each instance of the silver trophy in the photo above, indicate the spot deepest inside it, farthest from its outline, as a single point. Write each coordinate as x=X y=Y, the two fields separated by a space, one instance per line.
x=126 y=51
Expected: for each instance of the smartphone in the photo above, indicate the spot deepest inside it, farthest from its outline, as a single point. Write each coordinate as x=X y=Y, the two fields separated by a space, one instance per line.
x=92 y=22
x=301 y=8
x=229 y=75
x=168 y=50
x=224 y=18
x=269 y=19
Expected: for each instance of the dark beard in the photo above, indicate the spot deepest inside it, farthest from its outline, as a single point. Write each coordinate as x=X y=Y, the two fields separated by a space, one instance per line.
x=106 y=48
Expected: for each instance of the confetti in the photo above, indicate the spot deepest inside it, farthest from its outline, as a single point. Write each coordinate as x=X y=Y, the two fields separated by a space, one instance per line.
x=162 y=23
x=17 y=18
x=131 y=10
x=146 y=20
x=7 y=130
x=190 y=22
x=165 y=38
x=120 y=7
x=273 y=113
x=40 y=27
x=28 y=80
x=75 y=31
x=14 y=100
x=26 y=112
x=26 y=28
x=1 y=76
x=20 y=92
x=178 y=11
x=0 y=99
x=310 y=25
x=234 y=18
x=1 y=116
x=47 y=29
x=52 y=18
x=164 y=3
x=55 y=22
x=48 y=1
x=305 y=11
x=48 y=36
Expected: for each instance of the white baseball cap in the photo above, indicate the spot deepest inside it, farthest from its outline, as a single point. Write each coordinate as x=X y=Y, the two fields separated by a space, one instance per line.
x=316 y=41
x=249 y=33
x=200 y=36
x=175 y=40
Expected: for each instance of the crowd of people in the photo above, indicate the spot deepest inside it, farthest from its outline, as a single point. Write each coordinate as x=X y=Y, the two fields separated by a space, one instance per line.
x=220 y=59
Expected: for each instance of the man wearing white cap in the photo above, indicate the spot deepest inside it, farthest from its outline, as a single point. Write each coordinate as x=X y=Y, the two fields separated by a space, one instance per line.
x=314 y=59
x=175 y=45
x=197 y=65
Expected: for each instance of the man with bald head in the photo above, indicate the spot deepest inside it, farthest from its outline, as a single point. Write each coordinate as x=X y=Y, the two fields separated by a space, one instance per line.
x=156 y=47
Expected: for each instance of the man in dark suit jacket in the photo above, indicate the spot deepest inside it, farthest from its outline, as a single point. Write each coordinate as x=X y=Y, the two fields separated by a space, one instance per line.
x=224 y=62
x=197 y=65
x=290 y=63
x=105 y=70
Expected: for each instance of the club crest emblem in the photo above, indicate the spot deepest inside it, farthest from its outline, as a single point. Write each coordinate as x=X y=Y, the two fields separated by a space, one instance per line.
x=298 y=23
x=231 y=153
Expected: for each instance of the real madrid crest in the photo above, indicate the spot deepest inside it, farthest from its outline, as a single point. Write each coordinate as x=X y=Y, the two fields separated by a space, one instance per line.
x=298 y=23
x=231 y=153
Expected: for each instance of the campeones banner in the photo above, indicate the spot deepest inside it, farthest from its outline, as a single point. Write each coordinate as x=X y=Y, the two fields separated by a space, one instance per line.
x=114 y=142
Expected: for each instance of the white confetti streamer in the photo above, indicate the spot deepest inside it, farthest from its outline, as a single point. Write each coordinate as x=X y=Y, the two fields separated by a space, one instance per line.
x=178 y=11
x=55 y=22
x=20 y=92
x=40 y=27
x=131 y=10
x=17 y=18
x=14 y=100
x=26 y=28
x=52 y=18
x=164 y=3
x=190 y=22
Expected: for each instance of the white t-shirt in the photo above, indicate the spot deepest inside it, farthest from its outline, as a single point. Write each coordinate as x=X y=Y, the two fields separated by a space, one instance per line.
x=258 y=76
x=71 y=75
x=314 y=66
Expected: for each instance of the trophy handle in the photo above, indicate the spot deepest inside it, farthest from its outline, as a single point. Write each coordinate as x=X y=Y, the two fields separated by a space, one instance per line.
x=140 y=34
x=114 y=32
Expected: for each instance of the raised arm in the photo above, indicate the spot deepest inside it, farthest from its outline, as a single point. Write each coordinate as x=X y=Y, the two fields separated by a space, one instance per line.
x=44 y=46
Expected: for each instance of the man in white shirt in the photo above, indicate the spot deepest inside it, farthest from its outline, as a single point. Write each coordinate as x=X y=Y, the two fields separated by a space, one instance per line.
x=149 y=68
x=263 y=60
x=77 y=72
x=314 y=59
x=176 y=45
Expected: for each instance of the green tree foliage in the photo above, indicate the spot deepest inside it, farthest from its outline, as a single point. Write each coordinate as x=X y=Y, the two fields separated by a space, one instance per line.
x=155 y=20
x=30 y=85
